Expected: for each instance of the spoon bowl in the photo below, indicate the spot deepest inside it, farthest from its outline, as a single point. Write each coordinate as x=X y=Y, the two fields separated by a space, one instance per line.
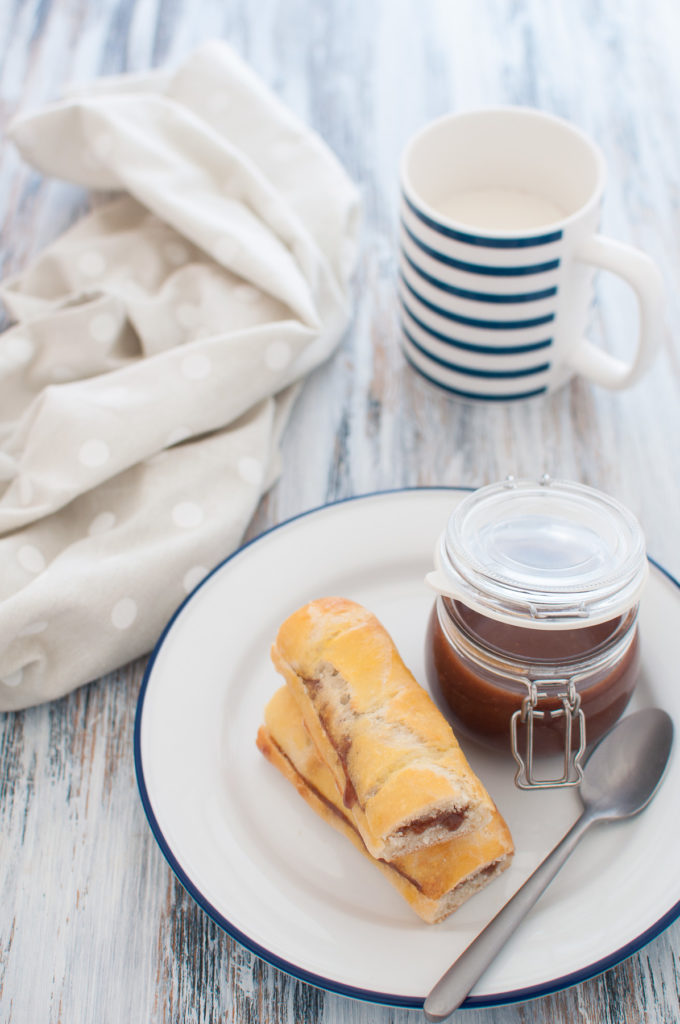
x=625 y=769
x=621 y=776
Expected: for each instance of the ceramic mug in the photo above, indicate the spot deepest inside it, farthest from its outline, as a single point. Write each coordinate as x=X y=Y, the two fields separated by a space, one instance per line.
x=498 y=245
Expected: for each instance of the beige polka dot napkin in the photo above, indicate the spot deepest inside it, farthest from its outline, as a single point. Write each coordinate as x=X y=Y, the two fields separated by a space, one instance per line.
x=154 y=360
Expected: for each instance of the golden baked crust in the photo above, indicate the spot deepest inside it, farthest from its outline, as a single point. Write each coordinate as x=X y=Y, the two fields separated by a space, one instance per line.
x=434 y=881
x=395 y=760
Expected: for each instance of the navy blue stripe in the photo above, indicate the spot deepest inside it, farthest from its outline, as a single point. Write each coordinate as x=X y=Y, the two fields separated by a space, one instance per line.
x=471 y=372
x=474 y=394
x=464 y=293
x=493 y=325
x=480 y=268
x=482 y=240
x=505 y=350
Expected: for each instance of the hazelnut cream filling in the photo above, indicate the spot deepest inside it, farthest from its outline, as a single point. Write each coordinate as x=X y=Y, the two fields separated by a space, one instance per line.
x=471 y=881
x=330 y=695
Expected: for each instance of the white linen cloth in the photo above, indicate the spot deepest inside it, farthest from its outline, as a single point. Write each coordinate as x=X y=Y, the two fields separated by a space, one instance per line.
x=145 y=386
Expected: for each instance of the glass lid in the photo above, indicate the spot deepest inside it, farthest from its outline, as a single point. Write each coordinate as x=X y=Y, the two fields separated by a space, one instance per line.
x=554 y=554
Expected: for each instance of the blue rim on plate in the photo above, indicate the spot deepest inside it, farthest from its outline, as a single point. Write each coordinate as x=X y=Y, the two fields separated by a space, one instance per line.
x=366 y=995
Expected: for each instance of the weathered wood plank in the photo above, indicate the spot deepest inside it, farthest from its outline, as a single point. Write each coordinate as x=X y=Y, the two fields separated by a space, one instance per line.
x=93 y=926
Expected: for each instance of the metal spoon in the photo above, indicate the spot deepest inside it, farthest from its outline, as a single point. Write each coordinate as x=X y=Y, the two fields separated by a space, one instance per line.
x=621 y=776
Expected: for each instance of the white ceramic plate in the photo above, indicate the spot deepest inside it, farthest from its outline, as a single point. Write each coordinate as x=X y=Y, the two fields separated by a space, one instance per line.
x=259 y=862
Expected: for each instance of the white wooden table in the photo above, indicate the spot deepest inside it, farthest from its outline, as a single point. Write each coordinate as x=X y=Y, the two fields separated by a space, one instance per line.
x=93 y=925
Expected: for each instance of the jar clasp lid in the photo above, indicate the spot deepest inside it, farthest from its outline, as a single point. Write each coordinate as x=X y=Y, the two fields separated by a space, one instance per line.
x=574 y=719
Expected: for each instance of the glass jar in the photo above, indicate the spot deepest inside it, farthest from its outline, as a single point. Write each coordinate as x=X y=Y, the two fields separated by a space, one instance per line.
x=533 y=643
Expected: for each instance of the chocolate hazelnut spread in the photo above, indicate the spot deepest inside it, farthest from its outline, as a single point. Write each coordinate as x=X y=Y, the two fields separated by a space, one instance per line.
x=450 y=820
x=478 y=667
x=532 y=644
x=341 y=745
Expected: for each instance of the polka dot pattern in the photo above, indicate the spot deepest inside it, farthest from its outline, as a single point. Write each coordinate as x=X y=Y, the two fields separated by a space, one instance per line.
x=177 y=435
x=31 y=558
x=91 y=263
x=192 y=577
x=250 y=470
x=196 y=366
x=14 y=678
x=124 y=613
x=93 y=453
x=118 y=397
x=172 y=349
x=187 y=514
x=17 y=350
x=101 y=523
x=60 y=373
x=103 y=328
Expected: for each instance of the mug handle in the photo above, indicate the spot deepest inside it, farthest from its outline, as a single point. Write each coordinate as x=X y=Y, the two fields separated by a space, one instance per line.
x=644 y=277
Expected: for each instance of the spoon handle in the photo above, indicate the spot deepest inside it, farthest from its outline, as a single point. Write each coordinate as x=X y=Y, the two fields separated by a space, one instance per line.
x=452 y=987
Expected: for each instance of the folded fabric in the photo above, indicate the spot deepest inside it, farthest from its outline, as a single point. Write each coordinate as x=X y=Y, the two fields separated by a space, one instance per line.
x=436 y=880
x=157 y=353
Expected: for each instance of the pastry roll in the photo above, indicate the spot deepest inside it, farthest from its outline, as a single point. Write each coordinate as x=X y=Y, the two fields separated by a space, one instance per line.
x=435 y=880
x=397 y=765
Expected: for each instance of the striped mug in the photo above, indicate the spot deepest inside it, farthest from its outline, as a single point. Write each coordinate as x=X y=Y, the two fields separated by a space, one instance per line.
x=497 y=250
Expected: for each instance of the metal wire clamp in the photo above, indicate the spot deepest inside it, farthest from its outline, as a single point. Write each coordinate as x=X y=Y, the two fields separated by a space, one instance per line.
x=531 y=711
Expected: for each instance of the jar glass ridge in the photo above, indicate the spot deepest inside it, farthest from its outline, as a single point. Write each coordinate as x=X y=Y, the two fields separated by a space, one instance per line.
x=483 y=685
x=536 y=616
